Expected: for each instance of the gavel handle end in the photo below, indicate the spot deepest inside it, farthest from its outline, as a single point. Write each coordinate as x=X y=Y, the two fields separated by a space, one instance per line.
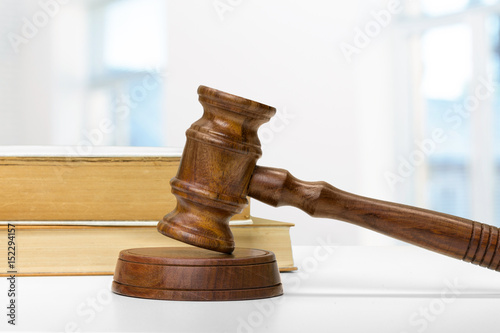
x=442 y=233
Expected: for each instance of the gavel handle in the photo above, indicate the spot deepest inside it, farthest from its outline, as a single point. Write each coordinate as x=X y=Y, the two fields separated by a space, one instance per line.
x=446 y=234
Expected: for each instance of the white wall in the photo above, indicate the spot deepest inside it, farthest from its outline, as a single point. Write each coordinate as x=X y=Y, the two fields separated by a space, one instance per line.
x=286 y=54
x=22 y=72
x=43 y=72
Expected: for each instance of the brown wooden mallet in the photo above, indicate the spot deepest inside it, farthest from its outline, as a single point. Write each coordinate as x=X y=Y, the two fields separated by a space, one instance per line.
x=217 y=172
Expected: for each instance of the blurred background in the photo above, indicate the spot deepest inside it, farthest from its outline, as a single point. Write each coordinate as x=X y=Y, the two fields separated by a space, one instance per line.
x=396 y=100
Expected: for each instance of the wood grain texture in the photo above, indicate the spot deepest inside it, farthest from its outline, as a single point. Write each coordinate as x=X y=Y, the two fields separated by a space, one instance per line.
x=194 y=274
x=221 y=151
x=87 y=188
x=446 y=234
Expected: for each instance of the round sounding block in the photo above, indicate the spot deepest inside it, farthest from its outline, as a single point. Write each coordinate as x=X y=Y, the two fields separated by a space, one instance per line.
x=195 y=274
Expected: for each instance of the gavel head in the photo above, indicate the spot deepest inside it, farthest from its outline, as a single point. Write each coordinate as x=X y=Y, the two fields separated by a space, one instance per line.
x=220 y=155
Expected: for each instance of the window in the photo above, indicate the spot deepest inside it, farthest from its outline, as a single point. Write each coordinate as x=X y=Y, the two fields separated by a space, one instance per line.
x=128 y=54
x=83 y=73
x=455 y=48
x=446 y=58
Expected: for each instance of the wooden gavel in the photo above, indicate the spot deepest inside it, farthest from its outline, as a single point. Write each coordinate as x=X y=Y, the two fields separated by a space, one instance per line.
x=218 y=170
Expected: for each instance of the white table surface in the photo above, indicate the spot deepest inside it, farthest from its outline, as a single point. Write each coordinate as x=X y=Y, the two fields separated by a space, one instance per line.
x=337 y=289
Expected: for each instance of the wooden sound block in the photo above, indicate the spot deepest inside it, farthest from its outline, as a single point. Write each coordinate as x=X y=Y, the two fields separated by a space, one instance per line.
x=195 y=274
